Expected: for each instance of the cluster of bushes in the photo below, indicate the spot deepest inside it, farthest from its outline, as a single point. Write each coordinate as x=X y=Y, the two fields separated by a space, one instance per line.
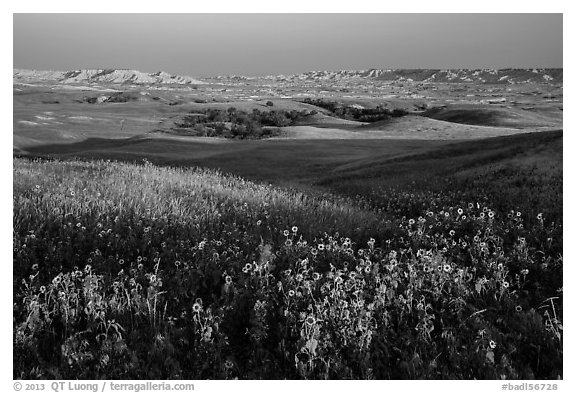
x=232 y=123
x=368 y=115
x=114 y=98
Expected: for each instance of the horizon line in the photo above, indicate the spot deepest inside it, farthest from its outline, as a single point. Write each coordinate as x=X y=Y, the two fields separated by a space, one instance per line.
x=298 y=73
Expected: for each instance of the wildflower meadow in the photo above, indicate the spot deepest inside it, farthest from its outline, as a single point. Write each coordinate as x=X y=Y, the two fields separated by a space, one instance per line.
x=136 y=271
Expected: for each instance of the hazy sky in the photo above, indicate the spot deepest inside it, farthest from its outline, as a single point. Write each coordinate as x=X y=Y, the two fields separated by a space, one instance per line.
x=255 y=44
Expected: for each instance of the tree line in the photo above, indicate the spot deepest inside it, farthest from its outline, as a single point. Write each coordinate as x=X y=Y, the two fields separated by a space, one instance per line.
x=368 y=115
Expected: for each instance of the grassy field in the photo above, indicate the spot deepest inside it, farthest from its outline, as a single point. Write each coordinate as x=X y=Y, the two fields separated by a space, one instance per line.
x=47 y=114
x=398 y=259
x=512 y=172
x=286 y=161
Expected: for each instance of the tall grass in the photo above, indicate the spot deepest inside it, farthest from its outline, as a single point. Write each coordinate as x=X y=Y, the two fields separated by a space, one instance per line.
x=138 y=271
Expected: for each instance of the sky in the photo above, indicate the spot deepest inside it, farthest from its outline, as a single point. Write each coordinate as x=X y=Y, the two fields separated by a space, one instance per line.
x=262 y=44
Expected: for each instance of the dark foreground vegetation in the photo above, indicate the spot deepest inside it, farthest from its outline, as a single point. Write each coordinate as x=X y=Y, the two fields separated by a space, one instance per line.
x=126 y=271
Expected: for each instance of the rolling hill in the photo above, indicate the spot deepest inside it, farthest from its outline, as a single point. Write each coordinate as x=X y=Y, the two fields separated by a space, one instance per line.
x=482 y=115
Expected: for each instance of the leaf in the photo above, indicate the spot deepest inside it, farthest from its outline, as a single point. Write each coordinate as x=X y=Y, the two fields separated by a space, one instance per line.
x=478 y=287
x=311 y=345
x=490 y=356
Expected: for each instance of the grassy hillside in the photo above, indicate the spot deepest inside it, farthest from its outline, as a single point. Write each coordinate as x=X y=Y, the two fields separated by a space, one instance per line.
x=493 y=116
x=522 y=172
x=126 y=271
x=298 y=161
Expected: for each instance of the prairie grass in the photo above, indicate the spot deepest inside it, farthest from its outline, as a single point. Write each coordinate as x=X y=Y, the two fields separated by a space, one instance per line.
x=125 y=271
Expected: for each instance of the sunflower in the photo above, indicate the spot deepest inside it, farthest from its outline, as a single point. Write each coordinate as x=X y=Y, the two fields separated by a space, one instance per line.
x=196 y=307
